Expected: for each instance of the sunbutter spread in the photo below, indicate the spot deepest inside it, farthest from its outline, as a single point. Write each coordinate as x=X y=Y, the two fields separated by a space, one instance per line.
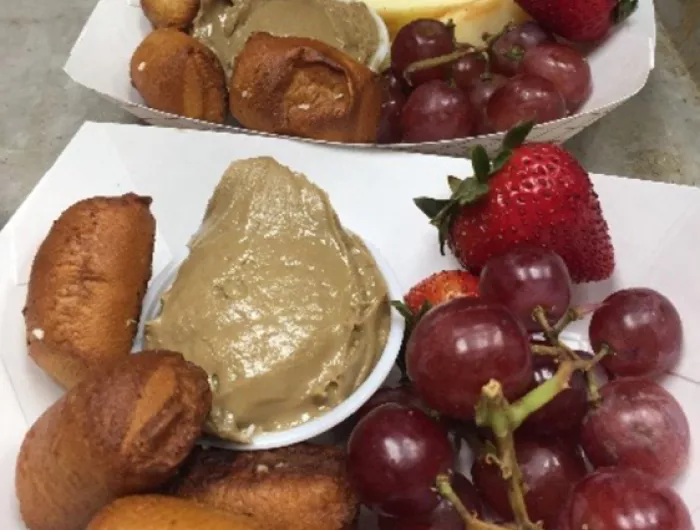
x=285 y=310
x=225 y=25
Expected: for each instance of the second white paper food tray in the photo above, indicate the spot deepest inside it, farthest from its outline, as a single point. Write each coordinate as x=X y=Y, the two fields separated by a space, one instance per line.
x=100 y=60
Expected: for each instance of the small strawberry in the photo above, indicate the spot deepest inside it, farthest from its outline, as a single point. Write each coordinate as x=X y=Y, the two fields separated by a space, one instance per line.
x=441 y=287
x=529 y=194
x=579 y=20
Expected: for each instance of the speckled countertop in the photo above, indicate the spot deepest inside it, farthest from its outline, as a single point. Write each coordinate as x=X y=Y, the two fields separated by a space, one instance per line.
x=653 y=136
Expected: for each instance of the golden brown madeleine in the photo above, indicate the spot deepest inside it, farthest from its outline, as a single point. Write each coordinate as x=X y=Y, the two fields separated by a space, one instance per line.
x=120 y=432
x=177 y=14
x=86 y=286
x=157 y=512
x=302 y=487
x=175 y=73
x=303 y=87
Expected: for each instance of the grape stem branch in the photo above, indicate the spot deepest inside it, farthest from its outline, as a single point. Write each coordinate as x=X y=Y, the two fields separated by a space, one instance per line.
x=433 y=62
x=547 y=351
x=558 y=348
x=504 y=418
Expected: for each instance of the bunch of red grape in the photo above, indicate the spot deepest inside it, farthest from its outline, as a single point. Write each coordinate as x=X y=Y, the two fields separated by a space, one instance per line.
x=437 y=89
x=560 y=438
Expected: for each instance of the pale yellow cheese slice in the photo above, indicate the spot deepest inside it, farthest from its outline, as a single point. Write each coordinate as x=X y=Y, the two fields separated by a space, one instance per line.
x=472 y=18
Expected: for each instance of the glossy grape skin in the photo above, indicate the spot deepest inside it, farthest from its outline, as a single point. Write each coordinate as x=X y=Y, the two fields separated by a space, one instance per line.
x=507 y=50
x=436 y=111
x=458 y=347
x=644 y=330
x=527 y=277
x=564 y=66
x=389 y=130
x=468 y=69
x=619 y=499
x=564 y=414
x=550 y=470
x=418 y=40
x=444 y=517
x=525 y=98
x=638 y=425
x=394 y=455
x=479 y=95
x=406 y=395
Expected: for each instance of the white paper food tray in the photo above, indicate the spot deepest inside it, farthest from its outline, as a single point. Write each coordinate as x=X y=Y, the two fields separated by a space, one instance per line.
x=101 y=55
x=654 y=228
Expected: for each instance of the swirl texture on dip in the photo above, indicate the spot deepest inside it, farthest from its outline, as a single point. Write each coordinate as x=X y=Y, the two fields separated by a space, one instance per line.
x=285 y=310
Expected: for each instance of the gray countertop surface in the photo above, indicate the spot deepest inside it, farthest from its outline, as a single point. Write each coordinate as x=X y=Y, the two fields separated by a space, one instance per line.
x=653 y=136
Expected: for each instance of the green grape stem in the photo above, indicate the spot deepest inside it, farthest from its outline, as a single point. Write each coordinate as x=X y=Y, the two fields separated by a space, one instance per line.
x=494 y=411
x=557 y=348
x=547 y=351
x=433 y=62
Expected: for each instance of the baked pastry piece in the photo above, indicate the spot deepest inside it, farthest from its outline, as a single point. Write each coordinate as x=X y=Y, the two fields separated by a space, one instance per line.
x=86 y=286
x=157 y=512
x=176 y=73
x=177 y=14
x=302 y=487
x=303 y=87
x=120 y=432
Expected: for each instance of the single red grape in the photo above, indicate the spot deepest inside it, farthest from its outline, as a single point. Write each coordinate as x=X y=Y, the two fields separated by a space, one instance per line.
x=436 y=111
x=418 y=40
x=468 y=69
x=623 y=499
x=394 y=456
x=508 y=49
x=637 y=425
x=644 y=330
x=564 y=414
x=525 y=98
x=403 y=395
x=479 y=95
x=444 y=517
x=550 y=470
x=564 y=66
x=389 y=130
x=459 y=346
x=527 y=277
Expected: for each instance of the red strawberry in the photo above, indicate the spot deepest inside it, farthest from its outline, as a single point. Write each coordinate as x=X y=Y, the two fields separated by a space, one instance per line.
x=579 y=20
x=441 y=287
x=530 y=194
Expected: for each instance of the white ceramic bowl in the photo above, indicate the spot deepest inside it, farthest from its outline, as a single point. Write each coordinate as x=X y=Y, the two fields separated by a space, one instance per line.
x=322 y=424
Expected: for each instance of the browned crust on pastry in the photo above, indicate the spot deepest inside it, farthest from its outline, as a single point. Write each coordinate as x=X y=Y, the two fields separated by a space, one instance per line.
x=303 y=487
x=86 y=286
x=176 y=73
x=177 y=14
x=157 y=512
x=303 y=87
x=120 y=432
